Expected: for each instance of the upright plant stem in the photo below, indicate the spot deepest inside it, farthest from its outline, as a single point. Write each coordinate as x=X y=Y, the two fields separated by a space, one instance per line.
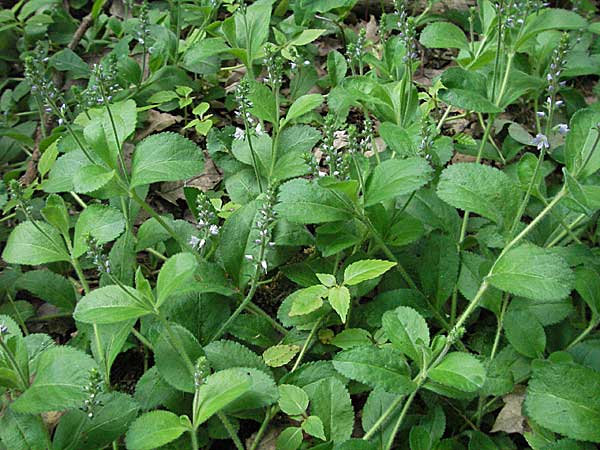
x=194 y=439
x=231 y=431
x=176 y=343
x=240 y=308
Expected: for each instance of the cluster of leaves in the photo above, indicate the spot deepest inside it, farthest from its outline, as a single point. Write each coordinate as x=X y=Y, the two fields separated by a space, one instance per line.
x=361 y=276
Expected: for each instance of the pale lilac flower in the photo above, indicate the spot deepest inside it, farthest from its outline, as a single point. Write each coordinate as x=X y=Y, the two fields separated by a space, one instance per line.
x=562 y=128
x=540 y=141
x=239 y=134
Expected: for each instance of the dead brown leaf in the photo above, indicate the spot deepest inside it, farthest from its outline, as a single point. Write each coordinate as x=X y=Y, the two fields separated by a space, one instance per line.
x=157 y=121
x=510 y=419
x=173 y=191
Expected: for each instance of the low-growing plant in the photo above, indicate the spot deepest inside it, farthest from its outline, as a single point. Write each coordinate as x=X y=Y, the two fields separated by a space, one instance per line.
x=252 y=226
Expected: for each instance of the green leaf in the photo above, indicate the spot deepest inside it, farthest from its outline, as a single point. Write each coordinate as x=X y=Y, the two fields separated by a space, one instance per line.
x=396 y=177
x=579 y=143
x=262 y=393
x=524 y=332
x=481 y=189
x=99 y=131
x=326 y=279
x=220 y=389
x=21 y=431
x=563 y=397
x=439 y=267
x=339 y=299
x=170 y=362
x=56 y=214
x=227 y=354
x=109 y=304
x=364 y=270
x=154 y=429
x=336 y=67
x=533 y=272
x=587 y=284
x=301 y=195
x=330 y=401
x=91 y=178
x=165 y=157
x=407 y=330
x=314 y=426
x=306 y=37
x=443 y=35
x=66 y=60
x=292 y=400
x=290 y=439
x=175 y=276
x=376 y=405
x=263 y=102
x=303 y=105
x=376 y=367
x=238 y=236
x=467 y=90
x=307 y=300
x=48 y=158
x=111 y=419
x=62 y=372
x=280 y=355
x=34 y=244
x=104 y=223
x=50 y=287
x=460 y=371
x=352 y=337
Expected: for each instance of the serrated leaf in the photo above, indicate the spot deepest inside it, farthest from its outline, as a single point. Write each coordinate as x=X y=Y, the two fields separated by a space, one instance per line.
x=407 y=330
x=313 y=426
x=34 y=244
x=290 y=439
x=104 y=223
x=262 y=392
x=524 y=332
x=165 y=157
x=170 y=361
x=562 y=397
x=175 y=276
x=62 y=372
x=292 y=400
x=50 y=287
x=443 y=35
x=111 y=419
x=365 y=269
x=280 y=355
x=330 y=401
x=154 y=429
x=307 y=300
x=91 y=178
x=296 y=197
x=383 y=368
x=396 y=177
x=302 y=105
x=109 y=304
x=220 y=389
x=480 y=189
x=226 y=354
x=533 y=272
x=339 y=299
x=352 y=337
x=460 y=371
x=22 y=431
x=587 y=284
